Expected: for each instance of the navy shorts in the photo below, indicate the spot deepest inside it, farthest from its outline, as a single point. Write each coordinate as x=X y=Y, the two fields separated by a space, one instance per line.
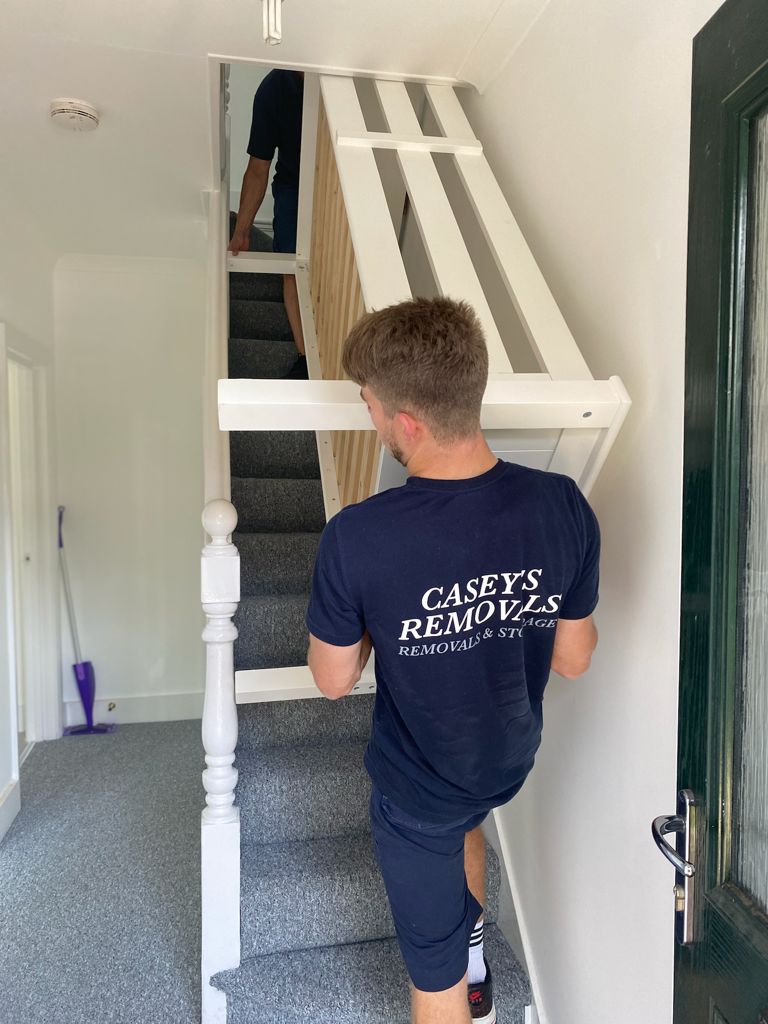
x=285 y=218
x=422 y=865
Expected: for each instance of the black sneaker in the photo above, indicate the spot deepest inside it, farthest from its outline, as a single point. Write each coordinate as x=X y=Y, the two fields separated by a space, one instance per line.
x=480 y=997
x=299 y=370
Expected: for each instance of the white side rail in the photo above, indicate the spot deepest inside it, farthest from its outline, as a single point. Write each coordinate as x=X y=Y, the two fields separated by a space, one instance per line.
x=516 y=402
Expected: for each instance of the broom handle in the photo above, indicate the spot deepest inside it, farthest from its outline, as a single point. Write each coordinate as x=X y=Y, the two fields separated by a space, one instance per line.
x=68 y=591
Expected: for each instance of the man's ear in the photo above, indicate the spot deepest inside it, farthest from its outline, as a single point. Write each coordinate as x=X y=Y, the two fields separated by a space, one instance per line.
x=410 y=426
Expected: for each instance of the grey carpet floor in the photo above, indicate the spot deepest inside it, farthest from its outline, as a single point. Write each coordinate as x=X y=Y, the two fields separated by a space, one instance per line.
x=100 y=881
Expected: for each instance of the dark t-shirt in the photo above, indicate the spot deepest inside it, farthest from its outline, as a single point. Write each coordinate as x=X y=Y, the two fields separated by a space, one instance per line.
x=276 y=125
x=460 y=584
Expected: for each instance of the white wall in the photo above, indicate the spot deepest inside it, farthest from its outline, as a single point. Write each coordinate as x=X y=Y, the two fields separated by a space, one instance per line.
x=587 y=129
x=244 y=80
x=129 y=364
x=26 y=288
x=135 y=188
x=132 y=187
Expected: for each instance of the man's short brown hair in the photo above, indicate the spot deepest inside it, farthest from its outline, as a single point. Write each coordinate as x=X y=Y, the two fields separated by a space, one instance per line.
x=424 y=356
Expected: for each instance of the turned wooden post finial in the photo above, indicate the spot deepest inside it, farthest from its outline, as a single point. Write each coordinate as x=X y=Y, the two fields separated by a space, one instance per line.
x=219 y=521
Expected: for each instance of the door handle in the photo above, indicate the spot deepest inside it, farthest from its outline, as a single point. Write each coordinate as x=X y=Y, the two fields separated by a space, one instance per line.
x=663 y=826
x=683 y=859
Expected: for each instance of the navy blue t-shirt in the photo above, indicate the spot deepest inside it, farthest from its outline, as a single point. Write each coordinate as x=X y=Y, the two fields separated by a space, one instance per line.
x=276 y=125
x=460 y=584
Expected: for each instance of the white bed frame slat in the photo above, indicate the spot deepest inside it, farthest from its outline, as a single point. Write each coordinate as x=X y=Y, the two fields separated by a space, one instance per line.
x=379 y=263
x=543 y=322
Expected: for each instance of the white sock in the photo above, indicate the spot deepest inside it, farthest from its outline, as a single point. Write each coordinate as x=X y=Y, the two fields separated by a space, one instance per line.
x=476 y=967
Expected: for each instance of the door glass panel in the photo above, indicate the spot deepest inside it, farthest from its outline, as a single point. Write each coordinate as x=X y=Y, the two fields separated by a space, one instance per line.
x=750 y=863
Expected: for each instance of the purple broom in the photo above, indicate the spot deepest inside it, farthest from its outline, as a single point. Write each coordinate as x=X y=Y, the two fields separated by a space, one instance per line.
x=84 y=674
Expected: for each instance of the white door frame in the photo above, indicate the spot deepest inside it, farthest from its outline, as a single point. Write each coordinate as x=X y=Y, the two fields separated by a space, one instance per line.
x=42 y=685
x=23 y=492
x=10 y=795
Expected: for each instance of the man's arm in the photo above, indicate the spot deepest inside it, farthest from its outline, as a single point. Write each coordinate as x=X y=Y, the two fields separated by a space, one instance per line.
x=336 y=670
x=575 y=640
x=255 y=181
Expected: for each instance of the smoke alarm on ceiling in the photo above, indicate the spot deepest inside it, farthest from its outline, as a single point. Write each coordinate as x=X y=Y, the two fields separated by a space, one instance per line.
x=75 y=115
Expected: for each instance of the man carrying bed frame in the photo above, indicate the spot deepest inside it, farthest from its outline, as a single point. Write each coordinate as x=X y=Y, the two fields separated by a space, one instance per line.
x=470 y=582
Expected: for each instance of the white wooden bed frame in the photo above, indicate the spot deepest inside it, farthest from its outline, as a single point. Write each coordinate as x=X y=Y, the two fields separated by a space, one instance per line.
x=559 y=418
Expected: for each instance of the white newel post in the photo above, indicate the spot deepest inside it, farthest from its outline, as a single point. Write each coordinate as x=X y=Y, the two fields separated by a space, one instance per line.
x=220 y=825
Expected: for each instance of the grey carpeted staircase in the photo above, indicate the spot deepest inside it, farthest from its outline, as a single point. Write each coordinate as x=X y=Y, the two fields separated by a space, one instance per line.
x=275 y=486
x=317 y=938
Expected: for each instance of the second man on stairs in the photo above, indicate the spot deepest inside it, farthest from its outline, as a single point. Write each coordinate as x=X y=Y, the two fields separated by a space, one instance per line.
x=276 y=126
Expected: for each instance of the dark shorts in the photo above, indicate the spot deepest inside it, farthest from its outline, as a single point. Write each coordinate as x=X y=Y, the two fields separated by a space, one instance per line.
x=285 y=218
x=422 y=865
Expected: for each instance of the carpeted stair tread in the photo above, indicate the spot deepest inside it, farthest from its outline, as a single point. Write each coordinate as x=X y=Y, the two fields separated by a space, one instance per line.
x=322 y=892
x=257 y=318
x=271 y=631
x=275 y=505
x=266 y=287
x=302 y=792
x=260 y=359
x=310 y=721
x=276 y=563
x=274 y=453
x=359 y=983
x=318 y=893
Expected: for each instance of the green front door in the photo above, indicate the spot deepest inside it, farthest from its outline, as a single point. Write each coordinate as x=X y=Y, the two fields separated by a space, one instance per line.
x=721 y=973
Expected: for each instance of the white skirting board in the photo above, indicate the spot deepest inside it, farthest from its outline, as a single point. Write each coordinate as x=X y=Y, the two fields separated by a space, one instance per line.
x=10 y=804
x=520 y=941
x=506 y=919
x=150 y=707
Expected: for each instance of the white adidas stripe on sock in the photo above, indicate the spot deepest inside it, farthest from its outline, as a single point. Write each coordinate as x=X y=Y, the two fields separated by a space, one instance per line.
x=476 y=967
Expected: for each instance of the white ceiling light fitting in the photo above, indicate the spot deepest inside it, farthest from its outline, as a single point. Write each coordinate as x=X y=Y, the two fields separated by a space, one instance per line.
x=273 y=21
x=74 y=114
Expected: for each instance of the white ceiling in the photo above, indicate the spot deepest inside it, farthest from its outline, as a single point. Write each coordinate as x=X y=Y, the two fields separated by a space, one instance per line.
x=134 y=186
x=417 y=37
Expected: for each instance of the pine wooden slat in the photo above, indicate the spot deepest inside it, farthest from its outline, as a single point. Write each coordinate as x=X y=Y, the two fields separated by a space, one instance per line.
x=337 y=303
